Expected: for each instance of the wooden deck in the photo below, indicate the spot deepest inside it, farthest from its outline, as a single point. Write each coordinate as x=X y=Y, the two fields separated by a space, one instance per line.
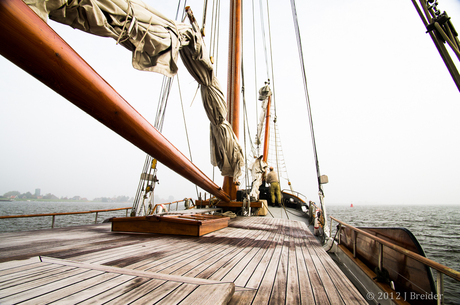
x=253 y=261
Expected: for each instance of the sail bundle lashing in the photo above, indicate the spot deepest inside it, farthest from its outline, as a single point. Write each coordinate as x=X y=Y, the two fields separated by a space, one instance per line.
x=156 y=43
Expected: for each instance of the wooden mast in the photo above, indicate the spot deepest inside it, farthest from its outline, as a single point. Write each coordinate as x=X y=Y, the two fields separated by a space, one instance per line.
x=234 y=81
x=31 y=44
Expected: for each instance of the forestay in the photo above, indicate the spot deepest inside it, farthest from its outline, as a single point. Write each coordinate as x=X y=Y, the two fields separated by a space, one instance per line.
x=156 y=43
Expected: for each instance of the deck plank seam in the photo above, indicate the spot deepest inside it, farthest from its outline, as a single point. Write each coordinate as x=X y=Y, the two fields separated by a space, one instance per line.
x=235 y=245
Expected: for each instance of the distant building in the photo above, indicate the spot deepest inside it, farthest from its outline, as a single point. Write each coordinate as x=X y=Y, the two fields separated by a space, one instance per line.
x=37 y=192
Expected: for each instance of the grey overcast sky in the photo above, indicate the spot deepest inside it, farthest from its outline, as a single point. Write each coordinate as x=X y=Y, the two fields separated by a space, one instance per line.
x=385 y=109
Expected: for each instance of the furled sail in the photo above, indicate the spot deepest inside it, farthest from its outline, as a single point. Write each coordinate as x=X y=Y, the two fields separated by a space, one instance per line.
x=156 y=42
x=264 y=93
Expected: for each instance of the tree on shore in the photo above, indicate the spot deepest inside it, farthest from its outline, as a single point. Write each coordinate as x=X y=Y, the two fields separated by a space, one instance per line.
x=11 y=194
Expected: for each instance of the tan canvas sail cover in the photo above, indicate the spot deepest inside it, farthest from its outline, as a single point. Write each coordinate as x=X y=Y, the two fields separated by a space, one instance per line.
x=155 y=42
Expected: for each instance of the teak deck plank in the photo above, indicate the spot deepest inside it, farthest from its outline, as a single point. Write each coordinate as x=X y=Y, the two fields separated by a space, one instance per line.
x=327 y=282
x=265 y=286
x=75 y=288
x=194 y=260
x=344 y=287
x=262 y=266
x=165 y=290
x=293 y=295
x=253 y=261
x=51 y=286
x=18 y=273
x=179 y=294
x=199 y=262
x=249 y=269
x=113 y=292
x=91 y=291
x=214 y=293
x=176 y=251
x=141 y=288
x=230 y=251
x=6 y=267
x=243 y=259
x=25 y=283
x=179 y=252
x=319 y=293
x=306 y=292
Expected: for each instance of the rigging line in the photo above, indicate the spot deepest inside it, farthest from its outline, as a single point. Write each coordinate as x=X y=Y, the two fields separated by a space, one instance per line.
x=178 y=9
x=157 y=117
x=217 y=29
x=140 y=187
x=280 y=149
x=184 y=13
x=255 y=58
x=205 y=9
x=273 y=81
x=159 y=120
x=214 y=34
x=160 y=104
x=211 y=39
x=307 y=97
x=271 y=60
x=164 y=96
x=246 y=176
x=245 y=112
x=245 y=120
x=185 y=125
x=263 y=37
x=196 y=92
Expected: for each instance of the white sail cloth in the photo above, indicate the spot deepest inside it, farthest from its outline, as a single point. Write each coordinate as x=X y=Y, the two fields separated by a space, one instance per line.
x=155 y=42
x=264 y=93
x=259 y=168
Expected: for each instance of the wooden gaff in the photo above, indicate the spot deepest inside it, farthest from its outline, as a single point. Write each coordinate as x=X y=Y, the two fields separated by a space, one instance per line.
x=31 y=44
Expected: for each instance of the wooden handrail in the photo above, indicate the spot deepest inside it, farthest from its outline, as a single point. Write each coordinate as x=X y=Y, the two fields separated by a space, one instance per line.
x=167 y=203
x=426 y=261
x=65 y=213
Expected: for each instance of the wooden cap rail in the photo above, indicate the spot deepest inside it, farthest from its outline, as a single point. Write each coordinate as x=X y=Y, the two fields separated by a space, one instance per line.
x=65 y=213
x=439 y=267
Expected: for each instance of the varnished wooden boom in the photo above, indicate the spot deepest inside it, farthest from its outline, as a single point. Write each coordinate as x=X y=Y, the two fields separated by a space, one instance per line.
x=31 y=44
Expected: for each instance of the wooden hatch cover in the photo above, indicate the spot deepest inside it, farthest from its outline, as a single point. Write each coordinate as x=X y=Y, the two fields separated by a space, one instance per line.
x=192 y=225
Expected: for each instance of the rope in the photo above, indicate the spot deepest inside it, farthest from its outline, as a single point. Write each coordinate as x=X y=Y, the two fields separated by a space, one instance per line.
x=158 y=124
x=125 y=23
x=203 y=26
x=271 y=62
x=146 y=31
x=246 y=178
x=147 y=169
x=196 y=92
x=255 y=62
x=336 y=232
x=307 y=97
x=185 y=126
x=215 y=26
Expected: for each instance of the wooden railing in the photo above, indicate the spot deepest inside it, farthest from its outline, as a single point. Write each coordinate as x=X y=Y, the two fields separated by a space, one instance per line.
x=157 y=206
x=428 y=262
x=65 y=213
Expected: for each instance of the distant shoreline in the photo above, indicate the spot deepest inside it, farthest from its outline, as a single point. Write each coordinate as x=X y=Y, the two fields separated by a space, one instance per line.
x=60 y=200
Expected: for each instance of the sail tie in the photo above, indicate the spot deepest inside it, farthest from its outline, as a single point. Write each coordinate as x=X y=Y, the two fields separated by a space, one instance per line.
x=141 y=45
x=128 y=11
